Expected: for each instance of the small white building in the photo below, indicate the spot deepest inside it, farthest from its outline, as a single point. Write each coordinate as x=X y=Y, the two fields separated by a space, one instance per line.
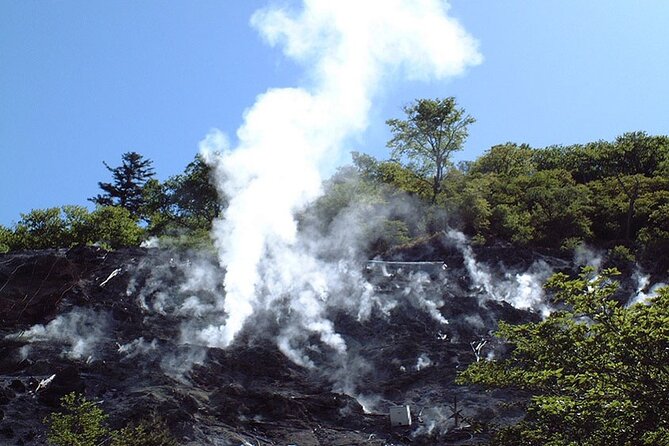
x=400 y=416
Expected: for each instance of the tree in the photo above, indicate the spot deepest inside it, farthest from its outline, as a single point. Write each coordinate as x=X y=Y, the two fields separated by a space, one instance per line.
x=192 y=197
x=631 y=159
x=557 y=205
x=433 y=130
x=114 y=227
x=151 y=431
x=69 y=225
x=474 y=207
x=40 y=229
x=6 y=239
x=505 y=160
x=126 y=189
x=81 y=424
x=597 y=369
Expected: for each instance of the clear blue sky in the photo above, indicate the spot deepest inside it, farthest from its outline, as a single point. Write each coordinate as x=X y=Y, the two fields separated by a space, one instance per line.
x=83 y=81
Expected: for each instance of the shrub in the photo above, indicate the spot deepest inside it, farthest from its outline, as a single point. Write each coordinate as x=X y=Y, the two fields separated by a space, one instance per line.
x=149 y=432
x=83 y=423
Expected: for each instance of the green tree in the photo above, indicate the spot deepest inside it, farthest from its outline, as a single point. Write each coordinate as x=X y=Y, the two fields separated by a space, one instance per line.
x=632 y=159
x=6 y=239
x=82 y=423
x=558 y=207
x=114 y=227
x=366 y=166
x=40 y=229
x=152 y=431
x=77 y=221
x=69 y=225
x=637 y=153
x=597 y=369
x=127 y=187
x=432 y=131
x=475 y=209
x=505 y=160
x=585 y=162
x=192 y=199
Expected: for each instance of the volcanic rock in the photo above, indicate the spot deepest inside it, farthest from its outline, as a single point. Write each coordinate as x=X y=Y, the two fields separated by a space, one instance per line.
x=104 y=324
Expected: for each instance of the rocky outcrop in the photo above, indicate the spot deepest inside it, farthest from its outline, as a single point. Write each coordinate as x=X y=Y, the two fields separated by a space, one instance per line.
x=88 y=320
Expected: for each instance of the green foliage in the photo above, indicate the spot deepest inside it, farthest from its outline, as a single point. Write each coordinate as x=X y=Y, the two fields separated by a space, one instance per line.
x=127 y=187
x=114 y=227
x=188 y=201
x=82 y=423
x=149 y=432
x=39 y=229
x=604 y=193
x=433 y=130
x=506 y=160
x=393 y=233
x=344 y=191
x=597 y=369
x=637 y=153
x=191 y=239
x=111 y=227
x=558 y=207
x=475 y=207
x=6 y=239
x=513 y=223
x=77 y=221
x=621 y=257
x=545 y=208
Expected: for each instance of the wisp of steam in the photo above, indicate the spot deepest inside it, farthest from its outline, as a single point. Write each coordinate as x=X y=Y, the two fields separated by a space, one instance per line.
x=349 y=51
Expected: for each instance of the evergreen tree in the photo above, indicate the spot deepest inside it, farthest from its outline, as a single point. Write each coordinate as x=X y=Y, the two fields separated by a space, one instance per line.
x=127 y=187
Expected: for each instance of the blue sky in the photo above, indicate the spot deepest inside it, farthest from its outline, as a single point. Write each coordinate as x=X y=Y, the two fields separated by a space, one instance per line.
x=83 y=81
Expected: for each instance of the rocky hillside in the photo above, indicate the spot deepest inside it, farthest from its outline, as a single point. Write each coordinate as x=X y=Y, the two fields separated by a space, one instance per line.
x=111 y=326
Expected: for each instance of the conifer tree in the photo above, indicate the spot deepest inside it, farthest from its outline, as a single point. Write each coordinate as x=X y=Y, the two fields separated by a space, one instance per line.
x=127 y=187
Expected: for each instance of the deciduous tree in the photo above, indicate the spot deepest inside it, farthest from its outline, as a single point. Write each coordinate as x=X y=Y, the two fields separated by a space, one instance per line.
x=432 y=131
x=597 y=369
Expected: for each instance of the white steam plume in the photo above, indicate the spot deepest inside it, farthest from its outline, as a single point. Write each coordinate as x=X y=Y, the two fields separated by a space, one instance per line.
x=78 y=332
x=522 y=290
x=349 y=49
x=644 y=290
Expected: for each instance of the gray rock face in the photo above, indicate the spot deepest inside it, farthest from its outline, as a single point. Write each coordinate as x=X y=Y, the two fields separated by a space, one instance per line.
x=104 y=325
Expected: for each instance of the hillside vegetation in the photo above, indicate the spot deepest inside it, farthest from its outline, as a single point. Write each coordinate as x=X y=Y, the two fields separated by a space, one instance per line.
x=596 y=368
x=612 y=195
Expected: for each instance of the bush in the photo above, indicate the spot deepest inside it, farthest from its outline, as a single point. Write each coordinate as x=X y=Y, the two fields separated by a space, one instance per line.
x=621 y=256
x=6 y=239
x=83 y=423
x=114 y=227
x=596 y=369
x=149 y=432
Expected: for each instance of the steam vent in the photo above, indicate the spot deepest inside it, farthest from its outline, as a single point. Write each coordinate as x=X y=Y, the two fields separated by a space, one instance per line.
x=268 y=286
x=126 y=329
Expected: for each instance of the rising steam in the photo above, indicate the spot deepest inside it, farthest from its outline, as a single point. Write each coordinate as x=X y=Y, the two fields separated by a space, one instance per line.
x=348 y=49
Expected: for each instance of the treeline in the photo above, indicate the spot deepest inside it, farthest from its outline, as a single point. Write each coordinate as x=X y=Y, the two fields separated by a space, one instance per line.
x=131 y=208
x=608 y=194
x=602 y=193
x=613 y=195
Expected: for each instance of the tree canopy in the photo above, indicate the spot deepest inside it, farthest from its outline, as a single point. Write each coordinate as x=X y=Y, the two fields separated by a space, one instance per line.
x=127 y=187
x=432 y=130
x=598 y=370
x=613 y=195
